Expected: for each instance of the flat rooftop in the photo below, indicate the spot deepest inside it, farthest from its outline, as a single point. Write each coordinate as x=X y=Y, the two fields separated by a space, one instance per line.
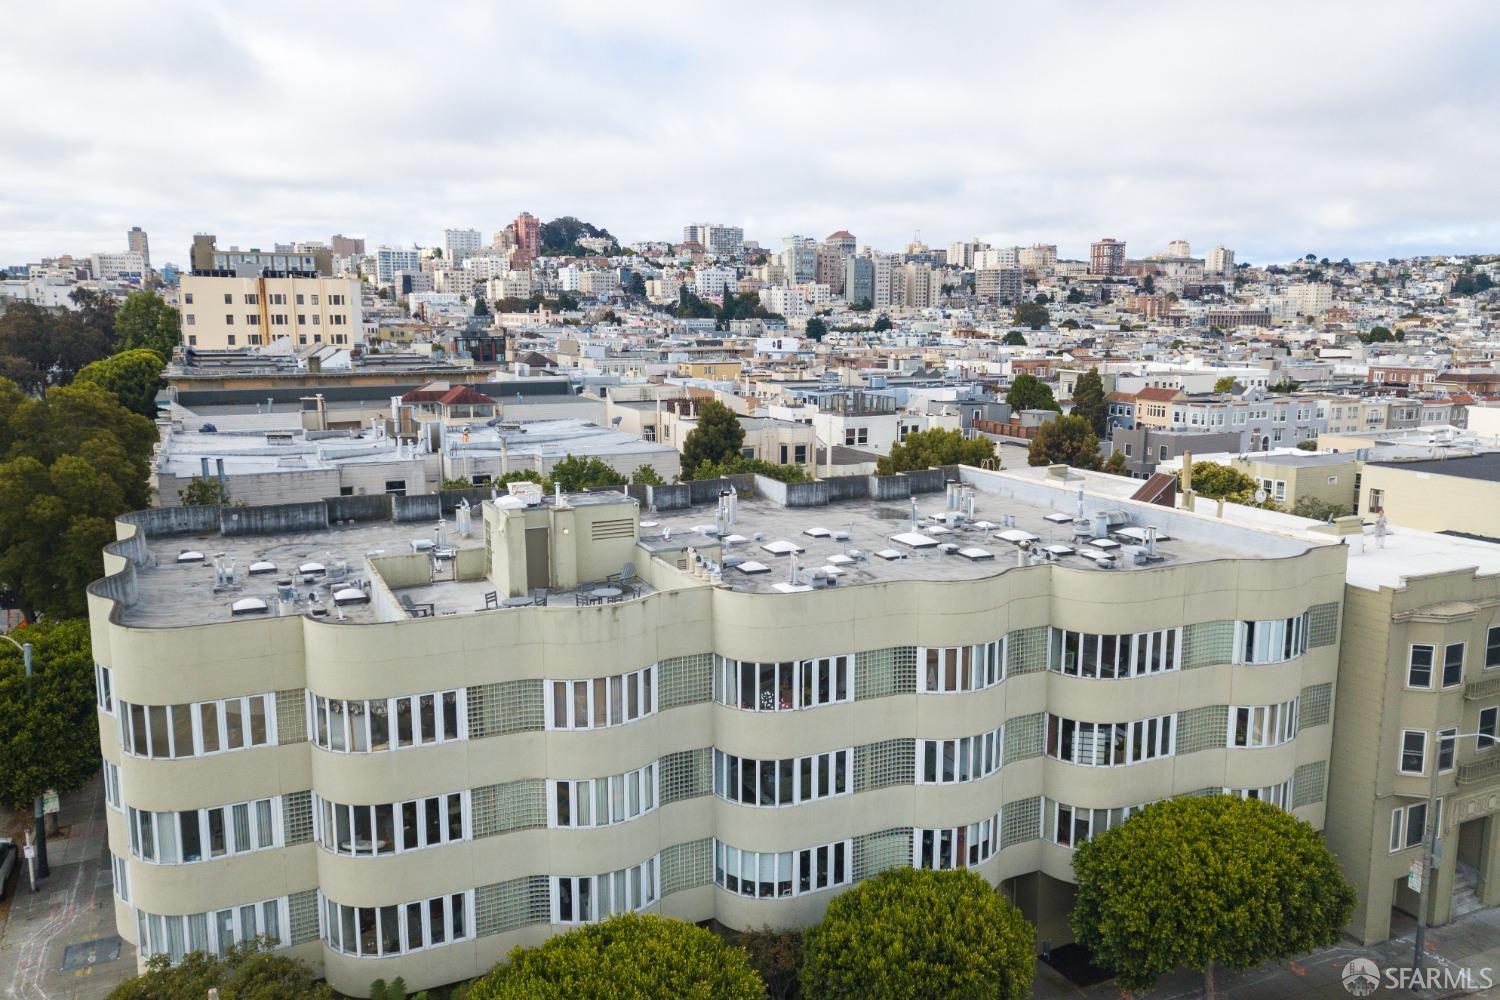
x=1484 y=466
x=1376 y=562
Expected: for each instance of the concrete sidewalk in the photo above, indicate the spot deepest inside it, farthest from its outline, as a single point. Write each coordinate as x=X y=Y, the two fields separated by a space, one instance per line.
x=1470 y=943
x=59 y=943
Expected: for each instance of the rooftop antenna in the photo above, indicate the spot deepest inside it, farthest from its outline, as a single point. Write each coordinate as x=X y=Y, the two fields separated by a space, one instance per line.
x=913 y=513
x=792 y=576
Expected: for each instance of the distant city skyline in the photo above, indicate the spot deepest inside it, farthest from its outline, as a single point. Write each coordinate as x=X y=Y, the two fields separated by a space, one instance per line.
x=1245 y=126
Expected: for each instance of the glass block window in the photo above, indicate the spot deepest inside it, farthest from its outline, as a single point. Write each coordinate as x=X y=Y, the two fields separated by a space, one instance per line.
x=1307 y=783
x=1023 y=736
x=687 y=866
x=889 y=762
x=296 y=817
x=507 y=707
x=1316 y=703
x=515 y=805
x=504 y=906
x=875 y=852
x=1202 y=728
x=1323 y=624
x=879 y=672
x=686 y=774
x=291 y=716
x=1021 y=821
x=1027 y=653
x=303 y=909
x=1206 y=643
x=684 y=680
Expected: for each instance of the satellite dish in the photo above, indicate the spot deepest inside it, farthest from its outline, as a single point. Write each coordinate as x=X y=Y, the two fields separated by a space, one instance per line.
x=1260 y=496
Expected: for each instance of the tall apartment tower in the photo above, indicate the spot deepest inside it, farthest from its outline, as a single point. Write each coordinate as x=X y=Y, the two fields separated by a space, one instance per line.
x=528 y=236
x=346 y=246
x=1179 y=248
x=1220 y=261
x=136 y=238
x=1107 y=257
x=460 y=244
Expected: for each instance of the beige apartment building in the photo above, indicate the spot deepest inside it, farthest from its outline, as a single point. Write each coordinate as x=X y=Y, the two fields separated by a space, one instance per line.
x=222 y=312
x=404 y=750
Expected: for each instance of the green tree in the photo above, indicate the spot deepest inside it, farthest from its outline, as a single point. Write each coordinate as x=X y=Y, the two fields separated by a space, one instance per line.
x=1311 y=444
x=645 y=475
x=1031 y=314
x=911 y=932
x=636 y=286
x=1089 y=401
x=816 y=329
x=145 y=320
x=133 y=376
x=1115 y=465
x=1319 y=510
x=926 y=449
x=522 y=476
x=776 y=956
x=96 y=310
x=1201 y=881
x=739 y=465
x=49 y=728
x=1075 y=296
x=717 y=438
x=1377 y=335
x=248 y=971
x=1065 y=441
x=1225 y=383
x=882 y=323
x=207 y=491
x=1149 y=285
x=689 y=306
x=578 y=474
x=1028 y=392
x=1286 y=385
x=1222 y=482
x=72 y=462
x=481 y=308
x=1014 y=338
x=628 y=957
x=461 y=483
x=47 y=347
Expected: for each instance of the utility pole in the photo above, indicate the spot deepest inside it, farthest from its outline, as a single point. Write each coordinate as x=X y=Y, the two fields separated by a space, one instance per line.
x=42 y=871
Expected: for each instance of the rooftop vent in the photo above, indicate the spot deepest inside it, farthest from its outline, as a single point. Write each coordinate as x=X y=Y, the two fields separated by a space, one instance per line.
x=782 y=547
x=751 y=567
x=259 y=568
x=248 y=606
x=351 y=595
x=190 y=556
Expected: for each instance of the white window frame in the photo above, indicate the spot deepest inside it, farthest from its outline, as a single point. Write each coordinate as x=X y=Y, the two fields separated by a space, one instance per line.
x=964 y=758
x=815 y=682
x=1492 y=648
x=1092 y=820
x=592 y=898
x=956 y=669
x=1447 y=744
x=958 y=846
x=1411 y=664
x=1401 y=839
x=620 y=698
x=1489 y=730
x=1136 y=653
x=1401 y=751
x=197 y=713
x=216 y=930
x=618 y=798
x=817 y=867
x=333 y=922
x=104 y=689
x=1274 y=640
x=813 y=777
x=1156 y=735
x=1463 y=651
x=155 y=835
x=331 y=819
x=1264 y=725
x=340 y=725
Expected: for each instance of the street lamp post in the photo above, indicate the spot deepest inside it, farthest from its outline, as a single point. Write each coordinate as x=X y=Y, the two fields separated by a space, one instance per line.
x=42 y=871
x=1429 y=844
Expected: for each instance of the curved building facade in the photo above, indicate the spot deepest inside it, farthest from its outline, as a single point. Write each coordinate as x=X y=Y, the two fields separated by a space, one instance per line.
x=338 y=727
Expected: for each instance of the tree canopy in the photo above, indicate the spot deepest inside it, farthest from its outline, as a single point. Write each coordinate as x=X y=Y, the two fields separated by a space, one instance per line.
x=133 y=376
x=145 y=320
x=578 y=474
x=627 y=957
x=645 y=475
x=717 y=437
x=1224 y=383
x=246 y=972
x=815 y=329
x=1221 y=482
x=1032 y=314
x=739 y=465
x=47 y=347
x=49 y=730
x=925 y=449
x=912 y=932
x=561 y=236
x=1089 y=402
x=1028 y=392
x=70 y=463
x=882 y=323
x=1065 y=441
x=1014 y=338
x=1204 y=880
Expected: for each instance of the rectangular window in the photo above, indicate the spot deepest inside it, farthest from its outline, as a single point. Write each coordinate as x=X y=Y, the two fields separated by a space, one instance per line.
x=785 y=686
x=1413 y=758
x=1447 y=746
x=1419 y=666
x=1453 y=664
x=1487 y=725
x=1492 y=647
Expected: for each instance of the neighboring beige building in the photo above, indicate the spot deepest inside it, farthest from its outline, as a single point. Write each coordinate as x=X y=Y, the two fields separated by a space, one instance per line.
x=1289 y=478
x=228 y=313
x=1420 y=660
x=328 y=738
x=1447 y=494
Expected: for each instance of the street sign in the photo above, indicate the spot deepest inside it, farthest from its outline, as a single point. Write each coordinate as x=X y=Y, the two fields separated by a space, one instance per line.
x=50 y=803
x=30 y=850
x=1414 y=876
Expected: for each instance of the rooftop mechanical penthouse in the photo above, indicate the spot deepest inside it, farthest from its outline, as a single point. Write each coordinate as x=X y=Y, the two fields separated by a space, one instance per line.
x=402 y=735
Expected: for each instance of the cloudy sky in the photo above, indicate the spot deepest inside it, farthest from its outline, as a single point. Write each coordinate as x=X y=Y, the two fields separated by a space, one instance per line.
x=1348 y=129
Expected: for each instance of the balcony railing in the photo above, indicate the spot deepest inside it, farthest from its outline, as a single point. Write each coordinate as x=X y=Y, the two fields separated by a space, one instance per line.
x=1480 y=770
x=1483 y=688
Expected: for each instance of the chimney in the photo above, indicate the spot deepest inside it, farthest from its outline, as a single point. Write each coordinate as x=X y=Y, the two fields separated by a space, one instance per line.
x=223 y=482
x=206 y=473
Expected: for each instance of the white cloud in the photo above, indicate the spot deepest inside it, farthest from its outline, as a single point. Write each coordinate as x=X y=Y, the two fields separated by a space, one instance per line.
x=1351 y=129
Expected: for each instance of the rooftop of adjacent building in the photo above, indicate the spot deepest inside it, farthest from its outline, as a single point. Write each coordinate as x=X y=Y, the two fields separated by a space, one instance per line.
x=1484 y=466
